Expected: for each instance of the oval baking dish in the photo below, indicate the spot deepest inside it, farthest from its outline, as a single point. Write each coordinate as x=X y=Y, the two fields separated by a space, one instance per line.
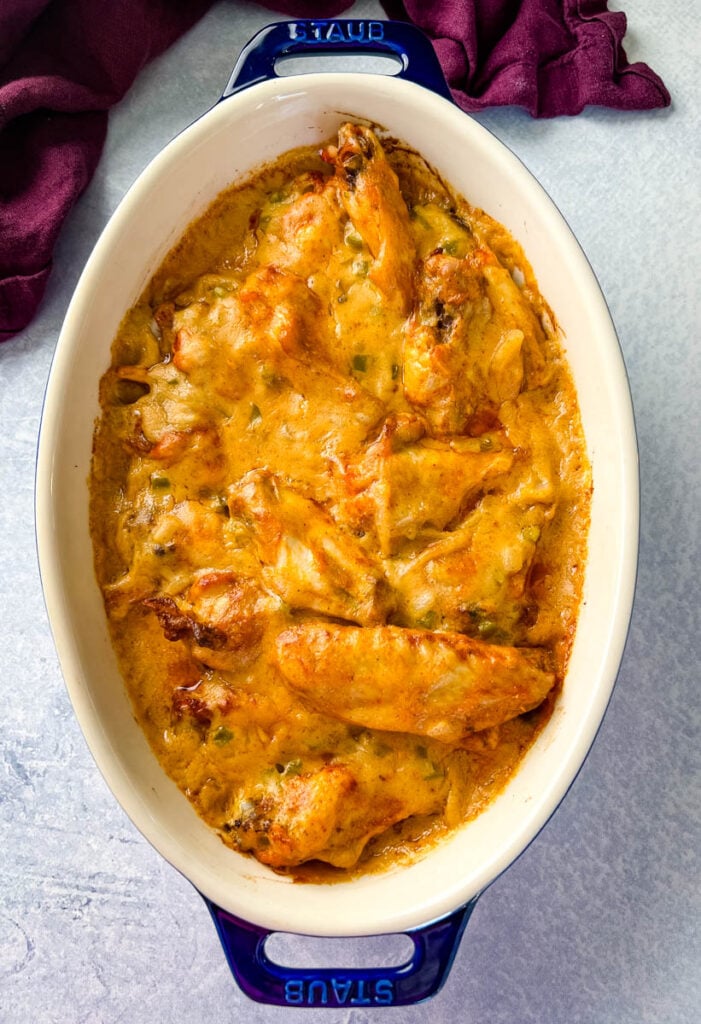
x=262 y=116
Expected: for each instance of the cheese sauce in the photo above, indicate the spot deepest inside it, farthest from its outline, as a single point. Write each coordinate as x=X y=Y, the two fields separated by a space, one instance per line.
x=339 y=506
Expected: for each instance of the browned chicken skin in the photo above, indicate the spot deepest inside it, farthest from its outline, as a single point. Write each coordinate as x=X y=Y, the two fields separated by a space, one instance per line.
x=371 y=196
x=442 y=685
x=305 y=557
x=407 y=483
x=339 y=506
x=441 y=375
x=222 y=618
x=328 y=814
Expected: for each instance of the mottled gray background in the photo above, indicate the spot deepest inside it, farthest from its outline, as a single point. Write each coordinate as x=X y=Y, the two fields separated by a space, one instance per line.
x=598 y=921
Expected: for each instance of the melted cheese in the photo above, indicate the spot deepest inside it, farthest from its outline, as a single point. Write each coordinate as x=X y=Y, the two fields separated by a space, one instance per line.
x=339 y=505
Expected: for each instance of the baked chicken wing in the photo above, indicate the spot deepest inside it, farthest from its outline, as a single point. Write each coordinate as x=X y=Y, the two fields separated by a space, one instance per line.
x=330 y=812
x=306 y=558
x=339 y=506
x=371 y=196
x=442 y=685
x=222 y=619
x=406 y=483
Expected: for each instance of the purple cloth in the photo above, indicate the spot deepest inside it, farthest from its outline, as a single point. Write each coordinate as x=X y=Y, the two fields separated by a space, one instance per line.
x=550 y=56
x=64 y=63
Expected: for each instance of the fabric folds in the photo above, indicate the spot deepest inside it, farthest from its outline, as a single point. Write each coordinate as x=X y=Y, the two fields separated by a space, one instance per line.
x=65 y=63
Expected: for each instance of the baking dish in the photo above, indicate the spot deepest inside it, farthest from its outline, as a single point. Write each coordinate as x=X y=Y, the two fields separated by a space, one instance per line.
x=261 y=116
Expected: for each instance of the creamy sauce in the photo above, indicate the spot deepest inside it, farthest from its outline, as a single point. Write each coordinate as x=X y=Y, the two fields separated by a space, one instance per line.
x=339 y=505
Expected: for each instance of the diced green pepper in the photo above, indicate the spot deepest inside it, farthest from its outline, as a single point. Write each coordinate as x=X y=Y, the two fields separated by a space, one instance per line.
x=420 y=219
x=428 y=621
x=354 y=241
x=491 y=631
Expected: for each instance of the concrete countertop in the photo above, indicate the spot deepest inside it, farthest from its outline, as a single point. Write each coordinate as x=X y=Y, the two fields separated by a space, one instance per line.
x=598 y=921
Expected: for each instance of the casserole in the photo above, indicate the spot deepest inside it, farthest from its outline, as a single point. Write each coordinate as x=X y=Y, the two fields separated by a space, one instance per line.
x=271 y=117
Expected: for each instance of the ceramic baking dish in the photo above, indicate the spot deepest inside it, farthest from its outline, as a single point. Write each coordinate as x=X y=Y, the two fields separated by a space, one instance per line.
x=261 y=116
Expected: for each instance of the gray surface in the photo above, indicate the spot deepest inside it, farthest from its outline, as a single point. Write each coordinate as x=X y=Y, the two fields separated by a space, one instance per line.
x=598 y=921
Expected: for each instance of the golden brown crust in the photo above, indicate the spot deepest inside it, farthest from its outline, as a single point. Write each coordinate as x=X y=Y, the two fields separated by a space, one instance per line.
x=339 y=505
x=443 y=685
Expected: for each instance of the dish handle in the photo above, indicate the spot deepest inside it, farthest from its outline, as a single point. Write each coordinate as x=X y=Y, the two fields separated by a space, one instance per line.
x=415 y=54
x=265 y=981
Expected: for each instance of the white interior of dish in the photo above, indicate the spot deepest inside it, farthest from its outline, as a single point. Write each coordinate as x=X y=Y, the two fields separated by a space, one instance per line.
x=224 y=146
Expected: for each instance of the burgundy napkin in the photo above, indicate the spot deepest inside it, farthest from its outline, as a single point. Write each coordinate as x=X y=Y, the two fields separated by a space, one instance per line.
x=550 y=56
x=64 y=63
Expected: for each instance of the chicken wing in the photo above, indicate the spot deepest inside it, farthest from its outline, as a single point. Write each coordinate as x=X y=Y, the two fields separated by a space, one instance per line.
x=408 y=483
x=473 y=579
x=442 y=685
x=330 y=812
x=260 y=354
x=222 y=619
x=307 y=559
x=217 y=342
x=441 y=375
x=371 y=196
x=165 y=544
x=303 y=227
